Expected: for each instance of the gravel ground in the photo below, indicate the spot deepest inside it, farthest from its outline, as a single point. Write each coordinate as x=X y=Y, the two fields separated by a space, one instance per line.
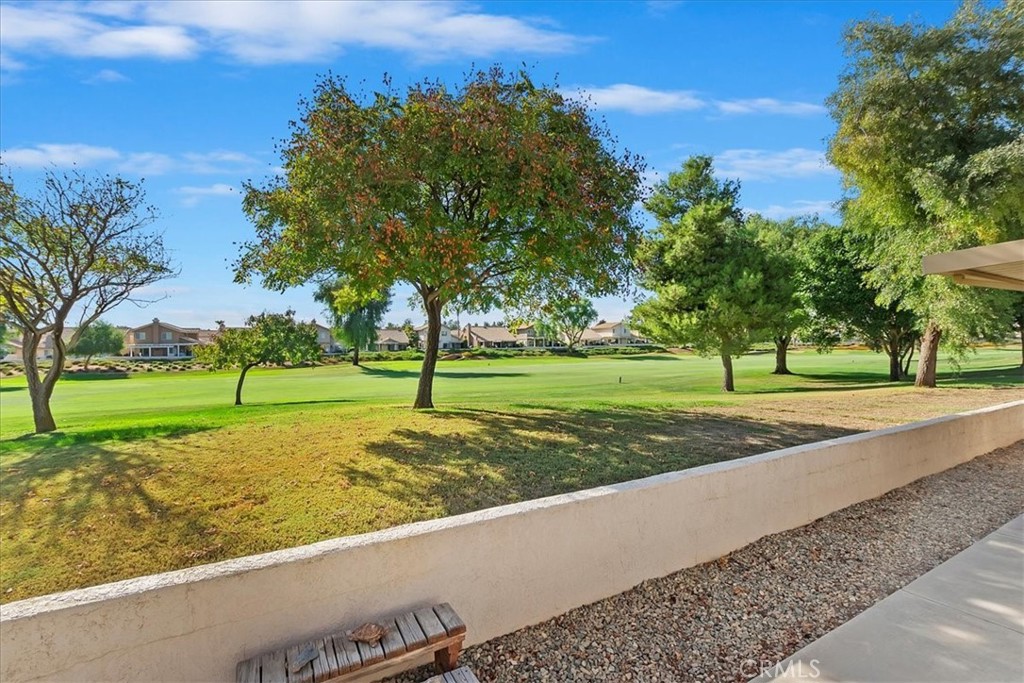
x=720 y=621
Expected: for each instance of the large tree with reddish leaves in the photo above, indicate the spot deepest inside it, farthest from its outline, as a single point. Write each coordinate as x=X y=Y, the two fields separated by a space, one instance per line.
x=481 y=193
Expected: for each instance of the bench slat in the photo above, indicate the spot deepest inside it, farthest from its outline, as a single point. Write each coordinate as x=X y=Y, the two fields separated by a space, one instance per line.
x=436 y=629
x=392 y=641
x=323 y=668
x=304 y=674
x=333 y=660
x=451 y=621
x=431 y=625
x=248 y=671
x=370 y=654
x=348 y=654
x=412 y=634
x=274 y=667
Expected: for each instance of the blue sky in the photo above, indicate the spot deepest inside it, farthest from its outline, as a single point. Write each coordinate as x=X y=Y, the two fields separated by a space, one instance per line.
x=192 y=96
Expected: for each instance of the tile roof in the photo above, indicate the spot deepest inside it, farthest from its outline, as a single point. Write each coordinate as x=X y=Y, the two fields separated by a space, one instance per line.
x=392 y=336
x=493 y=334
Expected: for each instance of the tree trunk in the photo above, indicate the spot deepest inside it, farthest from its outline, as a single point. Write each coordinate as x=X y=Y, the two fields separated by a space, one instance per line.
x=425 y=391
x=727 y=383
x=895 y=368
x=894 y=351
x=781 y=347
x=928 y=360
x=40 y=390
x=241 y=379
x=355 y=355
x=907 y=359
x=87 y=359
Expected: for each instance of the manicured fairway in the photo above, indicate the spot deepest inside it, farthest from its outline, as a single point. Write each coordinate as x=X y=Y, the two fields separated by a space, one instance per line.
x=158 y=471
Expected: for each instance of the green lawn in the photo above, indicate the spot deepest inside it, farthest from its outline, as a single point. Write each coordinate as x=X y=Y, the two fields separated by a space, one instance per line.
x=157 y=471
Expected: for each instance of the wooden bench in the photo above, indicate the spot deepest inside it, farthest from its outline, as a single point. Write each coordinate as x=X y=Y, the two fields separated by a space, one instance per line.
x=436 y=629
x=460 y=675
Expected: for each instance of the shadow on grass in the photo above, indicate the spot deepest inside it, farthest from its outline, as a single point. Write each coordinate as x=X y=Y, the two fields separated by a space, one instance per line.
x=994 y=376
x=54 y=441
x=506 y=457
x=405 y=374
x=6 y=389
x=871 y=380
x=60 y=502
x=325 y=401
x=833 y=381
x=93 y=375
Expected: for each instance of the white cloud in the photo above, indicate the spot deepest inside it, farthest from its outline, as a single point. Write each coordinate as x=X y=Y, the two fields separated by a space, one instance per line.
x=760 y=164
x=10 y=64
x=191 y=196
x=59 y=155
x=660 y=8
x=219 y=161
x=106 y=76
x=147 y=163
x=70 y=29
x=138 y=163
x=166 y=42
x=768 y=105
x=271 y=32
x=637 y=99
x=801 y=207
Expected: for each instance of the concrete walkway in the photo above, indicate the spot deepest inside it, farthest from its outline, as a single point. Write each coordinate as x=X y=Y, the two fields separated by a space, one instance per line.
x=962 y=621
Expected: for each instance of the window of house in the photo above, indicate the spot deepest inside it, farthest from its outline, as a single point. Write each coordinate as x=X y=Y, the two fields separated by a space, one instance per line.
x=166 y=336
x=140 y=336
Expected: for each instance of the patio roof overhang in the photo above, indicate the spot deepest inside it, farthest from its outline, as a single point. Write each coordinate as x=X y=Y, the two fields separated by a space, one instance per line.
x=994 y=265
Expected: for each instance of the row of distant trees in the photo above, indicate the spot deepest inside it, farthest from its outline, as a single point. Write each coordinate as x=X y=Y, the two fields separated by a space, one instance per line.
x=502 y=191
x=724 y=280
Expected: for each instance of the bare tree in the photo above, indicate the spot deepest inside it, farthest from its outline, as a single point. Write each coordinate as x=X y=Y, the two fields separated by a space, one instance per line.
x=67 y=257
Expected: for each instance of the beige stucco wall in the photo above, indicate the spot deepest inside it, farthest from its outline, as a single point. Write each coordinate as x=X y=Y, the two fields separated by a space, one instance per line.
x=502 y=568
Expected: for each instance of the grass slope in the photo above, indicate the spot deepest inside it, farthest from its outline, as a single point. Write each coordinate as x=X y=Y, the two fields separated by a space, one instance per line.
x=158 y=471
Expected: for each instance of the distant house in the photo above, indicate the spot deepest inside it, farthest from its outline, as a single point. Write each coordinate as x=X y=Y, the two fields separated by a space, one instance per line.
x=447 y=339
x=325 y=338
x=615 y=334
x=163 y=340
x=488 y=337
x=528 y=336
x=391 y=340
x=591 y=338
x=204 y=335
x=43 y=352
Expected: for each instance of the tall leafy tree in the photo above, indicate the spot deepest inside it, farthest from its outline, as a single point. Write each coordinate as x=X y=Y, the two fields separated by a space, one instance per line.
x=784 y=309
x=566 y=318
x=67 y=256
x=412 y=334
x=98 y=338
x=705 y=267
x=930 y=141
x=354 y=317
x=843 y=304
x=470 y=194
x=266 y=339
